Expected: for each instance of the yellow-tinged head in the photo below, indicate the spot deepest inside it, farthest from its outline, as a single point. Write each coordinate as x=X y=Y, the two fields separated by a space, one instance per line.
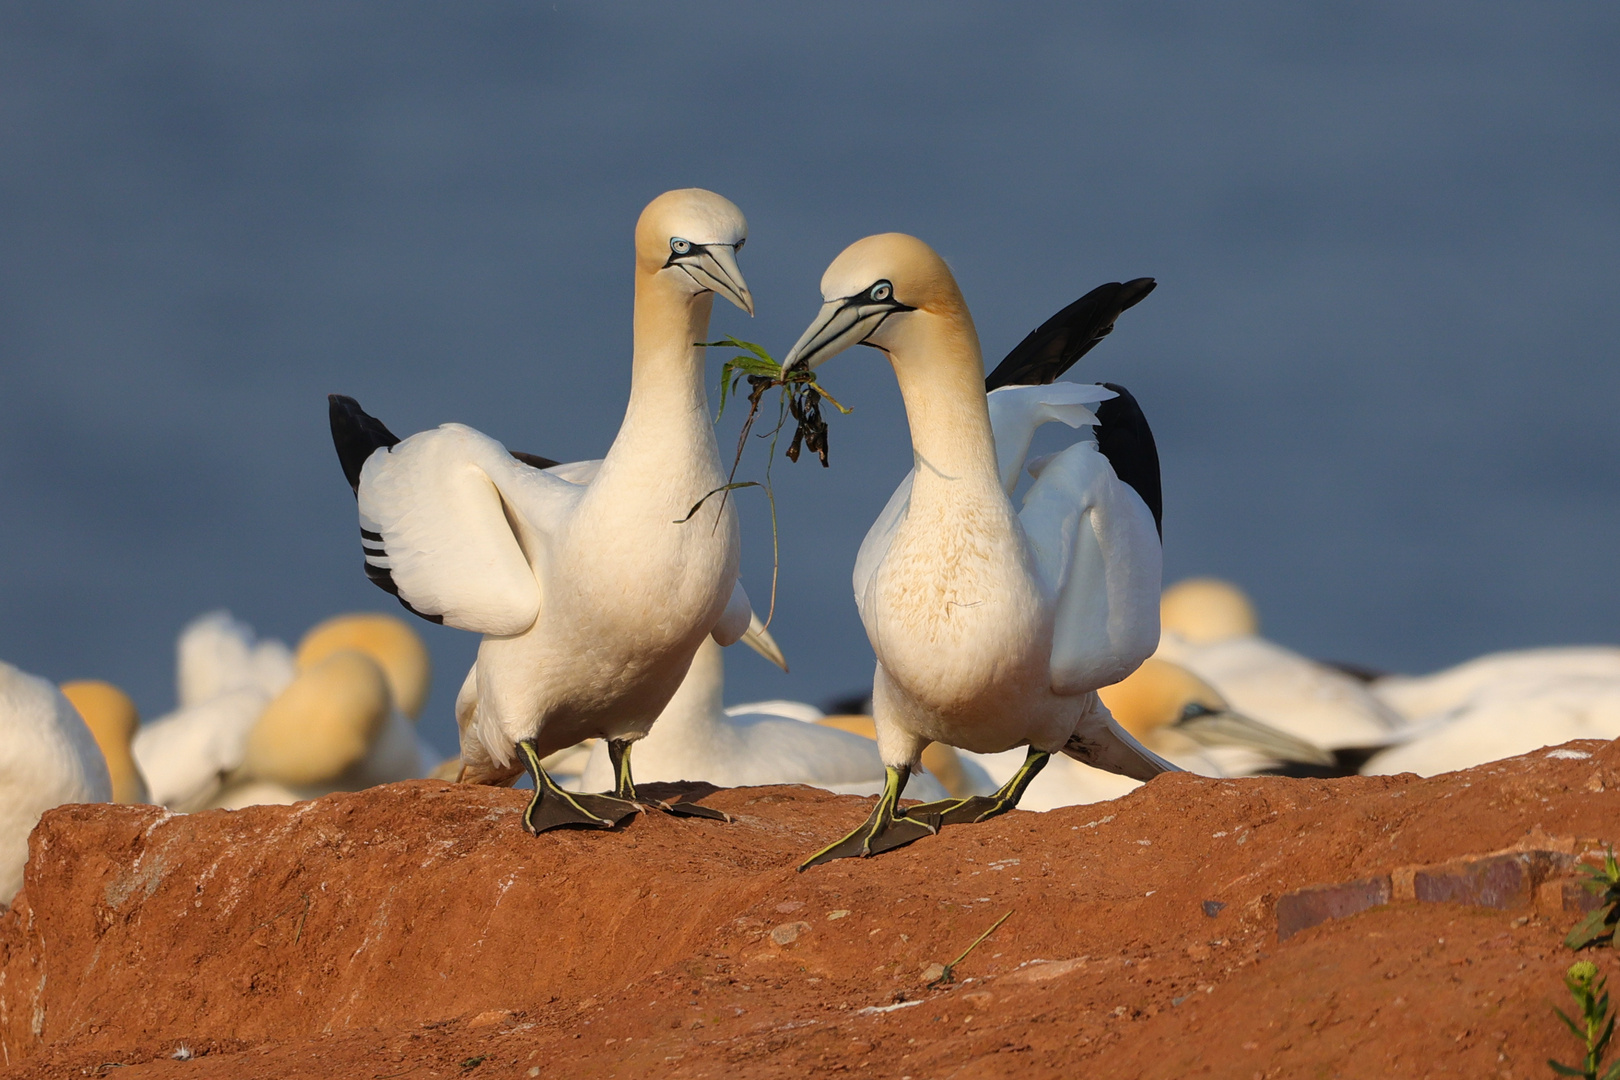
x=1204 y=610
x=113 y=719
x=881 y=291
x=1161 y=703
x=390 y=641
x=692 y=236
x=324 y=722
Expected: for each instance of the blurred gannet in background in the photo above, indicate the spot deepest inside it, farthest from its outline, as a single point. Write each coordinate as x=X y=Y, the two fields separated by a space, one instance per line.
x=994 y=627
x=1175 y=714
x=1426 y=699
x=1210 y=628
x=225 y=680
x=113 y=720
x=1501 y=705
x=255 y=725
x=593 y=583
x=696 y=739
x=47 y=757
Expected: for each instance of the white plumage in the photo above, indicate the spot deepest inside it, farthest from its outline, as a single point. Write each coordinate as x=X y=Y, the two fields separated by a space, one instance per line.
x=592 y=583
x=47 y=757
x=993 y=627
x=1501 y=705
x=696 y=738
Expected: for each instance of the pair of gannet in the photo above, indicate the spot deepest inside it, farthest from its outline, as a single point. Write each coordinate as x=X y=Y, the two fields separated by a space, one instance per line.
x=1210 y=628
x=1501 y=705
x=47 y=757
x=595 y=583
x=256 y=723
x=994 y=627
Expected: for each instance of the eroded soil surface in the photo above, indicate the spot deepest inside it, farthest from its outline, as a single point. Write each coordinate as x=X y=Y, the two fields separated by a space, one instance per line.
x=415 y=931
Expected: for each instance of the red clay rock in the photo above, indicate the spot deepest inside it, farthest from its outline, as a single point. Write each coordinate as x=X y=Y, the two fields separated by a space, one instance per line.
x=1305 y=908
x=414 y=929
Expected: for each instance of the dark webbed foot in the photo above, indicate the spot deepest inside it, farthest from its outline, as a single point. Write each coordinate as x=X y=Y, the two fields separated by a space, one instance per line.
x=625 y=787
x=554 y=808
x=984 y=807
x=886 y=829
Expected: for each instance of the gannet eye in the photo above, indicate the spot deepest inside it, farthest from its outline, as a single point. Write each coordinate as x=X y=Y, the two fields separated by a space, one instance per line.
x=679 y=246
x=738 y=245
x=881 y=292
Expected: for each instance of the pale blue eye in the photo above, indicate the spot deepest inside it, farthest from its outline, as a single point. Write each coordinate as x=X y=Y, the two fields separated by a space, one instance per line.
x=881 y=291
x=679 y=246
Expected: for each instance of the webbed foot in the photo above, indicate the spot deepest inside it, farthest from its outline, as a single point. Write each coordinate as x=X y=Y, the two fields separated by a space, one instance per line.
x=977 y=808
x=625 y=787
x=886 y=829
x=553 y=808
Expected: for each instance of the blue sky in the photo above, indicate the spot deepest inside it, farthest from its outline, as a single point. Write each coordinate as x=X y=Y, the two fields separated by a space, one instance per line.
x=1381 y=361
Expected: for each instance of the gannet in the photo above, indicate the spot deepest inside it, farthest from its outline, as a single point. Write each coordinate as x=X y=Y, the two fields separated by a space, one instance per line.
x=1500 y=705
x=113 y=719
x=389 y=641
x=225 y=679
x=593 y=584
x=696 y=739
x=1507 y=718
x=1175 y=714
x=993 y=627
x=1210 y=628
x=47 y=757
x=1423 y=700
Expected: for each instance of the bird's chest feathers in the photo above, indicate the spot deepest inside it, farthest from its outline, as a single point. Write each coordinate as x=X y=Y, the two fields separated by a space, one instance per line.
x=954 y=597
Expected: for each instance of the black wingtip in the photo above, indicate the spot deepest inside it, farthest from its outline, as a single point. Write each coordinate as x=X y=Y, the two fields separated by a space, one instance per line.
x=356 y=434
x=1126 y=441
x=1053 y=347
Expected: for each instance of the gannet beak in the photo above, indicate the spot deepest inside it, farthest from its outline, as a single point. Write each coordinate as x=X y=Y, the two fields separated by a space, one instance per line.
x=759 y=639
x=1227 y=728
x=841 y=323
x=714 y=266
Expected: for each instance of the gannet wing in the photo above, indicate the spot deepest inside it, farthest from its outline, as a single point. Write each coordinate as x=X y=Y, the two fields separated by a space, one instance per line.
x=1097 y=554
x=1126 y=441
x=1016 y=411
x=1053 y=347
x=450 y=522
x=876 y=545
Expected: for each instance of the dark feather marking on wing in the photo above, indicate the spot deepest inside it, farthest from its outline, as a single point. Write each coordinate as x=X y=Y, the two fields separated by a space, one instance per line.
x=533 y=459
x=385 y=581
x=357 y=435
x=1053 y=347
x=374 y=537
x=1126 y=441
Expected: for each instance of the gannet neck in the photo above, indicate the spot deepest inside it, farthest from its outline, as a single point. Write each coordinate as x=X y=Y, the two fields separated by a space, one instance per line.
x=941 y=373
x=666 y=371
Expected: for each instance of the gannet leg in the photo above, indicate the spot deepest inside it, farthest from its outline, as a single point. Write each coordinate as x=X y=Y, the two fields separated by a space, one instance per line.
x=552 y=807
x=887 y=828
x=984 y=807
x=625 y=787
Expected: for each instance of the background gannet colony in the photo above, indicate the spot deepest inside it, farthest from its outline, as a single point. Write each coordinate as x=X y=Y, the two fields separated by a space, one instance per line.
x=909 y=540
x=1367 y=331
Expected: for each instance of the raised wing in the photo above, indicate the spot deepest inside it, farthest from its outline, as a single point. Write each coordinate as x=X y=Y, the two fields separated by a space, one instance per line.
x=1053 y=347
x=451 y=524
x=1126 y=441
x=1098 y=555
x=1016 y=411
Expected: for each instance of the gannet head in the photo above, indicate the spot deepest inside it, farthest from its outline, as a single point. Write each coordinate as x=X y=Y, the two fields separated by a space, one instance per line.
x=113 y=719
x=1161 y=701
x=693 y=236
x=324 y=722
x=390 y=641
x=874 y=293
x=1205 y=610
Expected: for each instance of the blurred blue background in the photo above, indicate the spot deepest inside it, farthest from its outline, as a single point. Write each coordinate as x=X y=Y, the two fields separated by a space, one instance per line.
x=1381 y=361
